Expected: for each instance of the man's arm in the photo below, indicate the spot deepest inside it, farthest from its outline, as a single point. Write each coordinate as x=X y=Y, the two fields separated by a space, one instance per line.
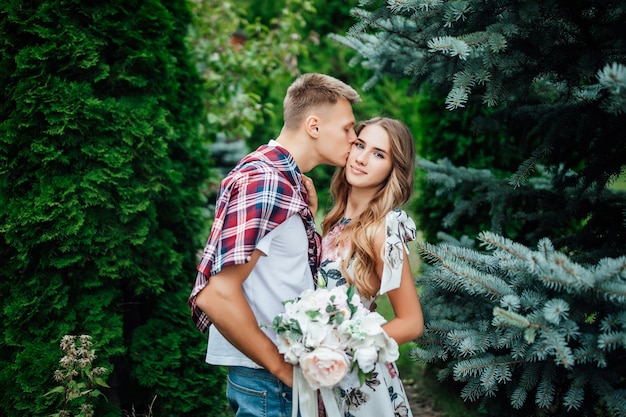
x=223 y=301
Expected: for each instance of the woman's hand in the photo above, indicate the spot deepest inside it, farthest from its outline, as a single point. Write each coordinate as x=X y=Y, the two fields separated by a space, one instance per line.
x=310 y=189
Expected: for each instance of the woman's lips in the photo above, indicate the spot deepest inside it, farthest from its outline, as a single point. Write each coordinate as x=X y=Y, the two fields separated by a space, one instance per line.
x=357 y=170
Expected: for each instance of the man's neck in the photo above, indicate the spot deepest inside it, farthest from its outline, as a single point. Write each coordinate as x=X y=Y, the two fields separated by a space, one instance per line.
x=296 y=145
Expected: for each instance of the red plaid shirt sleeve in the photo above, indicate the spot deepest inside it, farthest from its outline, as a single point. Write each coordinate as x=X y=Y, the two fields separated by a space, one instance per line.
x=254 y=199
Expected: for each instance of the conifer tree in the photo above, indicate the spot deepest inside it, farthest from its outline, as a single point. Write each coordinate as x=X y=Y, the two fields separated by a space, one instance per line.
x=531 y=326
x=100 y=174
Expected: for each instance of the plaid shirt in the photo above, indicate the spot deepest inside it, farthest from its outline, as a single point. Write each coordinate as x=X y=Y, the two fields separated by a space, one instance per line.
x=260 y=193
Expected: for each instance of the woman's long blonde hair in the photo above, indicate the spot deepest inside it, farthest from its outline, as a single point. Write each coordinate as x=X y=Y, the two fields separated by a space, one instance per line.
x=393 y=193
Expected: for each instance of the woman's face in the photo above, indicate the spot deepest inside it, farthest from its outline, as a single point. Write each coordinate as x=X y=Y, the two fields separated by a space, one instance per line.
x=369 y=163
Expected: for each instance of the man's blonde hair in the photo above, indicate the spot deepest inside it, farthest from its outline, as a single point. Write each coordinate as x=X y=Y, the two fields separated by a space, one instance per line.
x=313 y=90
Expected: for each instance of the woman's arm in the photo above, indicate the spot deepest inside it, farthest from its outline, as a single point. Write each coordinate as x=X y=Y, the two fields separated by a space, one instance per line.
x=408 y=323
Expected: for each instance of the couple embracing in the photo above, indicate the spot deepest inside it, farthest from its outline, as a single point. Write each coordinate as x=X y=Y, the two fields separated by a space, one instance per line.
x=264 y=248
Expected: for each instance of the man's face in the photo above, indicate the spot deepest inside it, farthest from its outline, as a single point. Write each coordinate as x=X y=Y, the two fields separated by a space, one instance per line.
x=336 y=133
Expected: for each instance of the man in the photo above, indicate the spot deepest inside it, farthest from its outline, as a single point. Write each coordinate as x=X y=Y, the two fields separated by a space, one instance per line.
x=263 y=247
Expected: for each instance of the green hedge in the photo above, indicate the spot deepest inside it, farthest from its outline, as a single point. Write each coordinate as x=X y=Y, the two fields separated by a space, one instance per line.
x=100 y=174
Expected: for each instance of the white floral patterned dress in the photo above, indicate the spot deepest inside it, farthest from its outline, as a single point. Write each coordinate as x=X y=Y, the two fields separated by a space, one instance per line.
x=382 y=395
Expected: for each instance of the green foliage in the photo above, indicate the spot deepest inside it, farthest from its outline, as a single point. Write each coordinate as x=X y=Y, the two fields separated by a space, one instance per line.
x=528 y=336
x=538 y=162
x=553 y=74
x=170 y=363
x=242 y=61
x=326 y=16
x=100 y=175
x=527 y=211
x=239 y=60
x=452 y=136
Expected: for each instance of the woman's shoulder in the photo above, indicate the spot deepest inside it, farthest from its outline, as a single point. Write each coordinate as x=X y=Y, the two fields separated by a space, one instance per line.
x=396 y=224
x=400 y=225
x=399 y=214
x=399 y=230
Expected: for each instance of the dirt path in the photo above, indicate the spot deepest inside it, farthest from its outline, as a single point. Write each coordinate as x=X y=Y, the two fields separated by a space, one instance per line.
x=418 y=400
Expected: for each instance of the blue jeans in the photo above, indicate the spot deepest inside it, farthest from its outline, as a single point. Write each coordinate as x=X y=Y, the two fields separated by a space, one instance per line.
x=257 y=393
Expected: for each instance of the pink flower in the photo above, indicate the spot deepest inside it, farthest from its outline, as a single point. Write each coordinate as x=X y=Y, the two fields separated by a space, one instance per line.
x=324 y=367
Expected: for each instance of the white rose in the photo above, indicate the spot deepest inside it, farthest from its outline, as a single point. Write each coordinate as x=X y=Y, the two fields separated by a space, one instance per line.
x=324 y=367
x=293 y=354
x=315 y=334
x=309 y=301
x=363 y=329
x=372 y=324
x=335 y=340
x=341 y=298
x=315 y=301
x=389 y=351
x=366 y=357
x=303 y=319
x=289 y=344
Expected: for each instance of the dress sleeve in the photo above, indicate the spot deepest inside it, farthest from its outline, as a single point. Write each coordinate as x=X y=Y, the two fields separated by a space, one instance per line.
x=400 y=230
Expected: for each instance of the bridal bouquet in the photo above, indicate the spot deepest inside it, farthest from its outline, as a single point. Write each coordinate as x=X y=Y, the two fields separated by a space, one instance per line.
x=328 y=333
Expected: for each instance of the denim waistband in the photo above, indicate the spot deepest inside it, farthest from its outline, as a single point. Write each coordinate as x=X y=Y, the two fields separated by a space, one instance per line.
x=252 y=372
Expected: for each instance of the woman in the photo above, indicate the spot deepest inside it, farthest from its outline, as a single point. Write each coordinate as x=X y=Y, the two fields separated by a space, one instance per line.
x=364 y=244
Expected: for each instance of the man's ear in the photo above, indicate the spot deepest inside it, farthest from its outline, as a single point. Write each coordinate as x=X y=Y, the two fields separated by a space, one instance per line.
x=312 y=126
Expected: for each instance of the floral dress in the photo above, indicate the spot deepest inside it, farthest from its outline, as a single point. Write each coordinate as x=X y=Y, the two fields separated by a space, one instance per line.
x=383 y=394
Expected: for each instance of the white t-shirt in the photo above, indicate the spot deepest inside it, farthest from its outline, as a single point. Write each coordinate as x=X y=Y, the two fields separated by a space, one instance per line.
x=282 y=274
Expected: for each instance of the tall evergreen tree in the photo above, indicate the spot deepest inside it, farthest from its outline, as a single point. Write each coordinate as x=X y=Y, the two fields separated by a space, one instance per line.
x=535 y=325
x=100 y=173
